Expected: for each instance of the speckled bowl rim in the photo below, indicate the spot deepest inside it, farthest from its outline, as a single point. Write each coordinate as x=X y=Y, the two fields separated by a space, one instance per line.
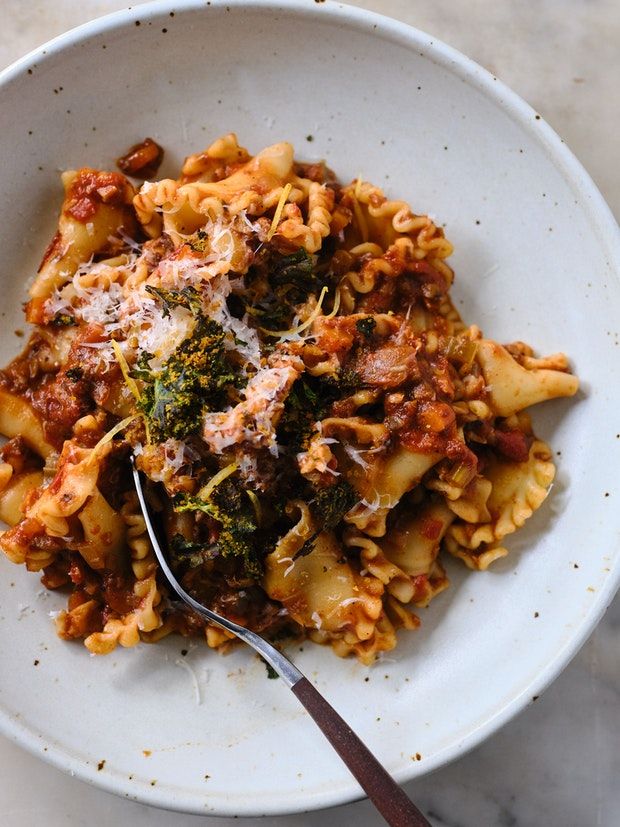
x=603 y=224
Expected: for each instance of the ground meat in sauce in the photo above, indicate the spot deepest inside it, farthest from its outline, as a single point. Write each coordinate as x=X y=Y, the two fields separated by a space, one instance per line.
x=90 y=188
x=60 y=402
x=19 y=456
x=387 y=367
x=142 y=160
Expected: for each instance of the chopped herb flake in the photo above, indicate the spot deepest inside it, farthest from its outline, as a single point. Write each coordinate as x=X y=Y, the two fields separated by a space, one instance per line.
x=330 y=504
x=366 y=326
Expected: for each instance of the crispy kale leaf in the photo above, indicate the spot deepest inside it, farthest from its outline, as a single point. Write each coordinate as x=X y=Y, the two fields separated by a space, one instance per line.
x=63 y=320
x=301 y=410
x=292 y=277
x=308 y=546
x=237 y=522
x=271 y=672
x=199 y=242
x=330 y=504
x=75 y=373
x=188 y=297
x=192 y=380
x=309 y=400
x=337 y=387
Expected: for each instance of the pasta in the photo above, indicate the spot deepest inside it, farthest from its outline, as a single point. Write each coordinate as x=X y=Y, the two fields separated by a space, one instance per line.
x=317 y=426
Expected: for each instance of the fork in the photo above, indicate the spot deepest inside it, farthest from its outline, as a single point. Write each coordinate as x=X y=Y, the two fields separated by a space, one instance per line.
x=377 y=783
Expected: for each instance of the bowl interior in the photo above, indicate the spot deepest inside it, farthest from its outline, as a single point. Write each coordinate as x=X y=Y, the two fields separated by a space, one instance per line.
x=534 y=261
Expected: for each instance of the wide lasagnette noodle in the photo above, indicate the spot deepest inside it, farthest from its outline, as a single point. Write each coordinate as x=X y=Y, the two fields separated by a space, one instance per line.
x=280 y=352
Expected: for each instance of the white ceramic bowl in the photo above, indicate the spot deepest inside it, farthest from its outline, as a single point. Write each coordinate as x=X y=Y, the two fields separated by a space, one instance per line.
x=537 y=257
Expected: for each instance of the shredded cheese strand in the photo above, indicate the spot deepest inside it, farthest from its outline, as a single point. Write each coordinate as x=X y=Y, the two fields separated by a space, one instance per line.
x=120 y=426
x=336 y=306
x=206 y=491
x=278 y=213
x=131 y=384
x=362 y=226
x=316 y=312
x=129 y=380
x=358 y=186
x=255 y=505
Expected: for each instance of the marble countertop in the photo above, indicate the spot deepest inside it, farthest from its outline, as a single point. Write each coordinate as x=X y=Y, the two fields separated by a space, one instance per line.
x=559 y=761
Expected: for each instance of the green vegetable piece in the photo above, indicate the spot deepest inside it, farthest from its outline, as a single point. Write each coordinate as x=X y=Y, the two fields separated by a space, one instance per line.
x=188 y=297
x=271 y=672
x=75 y=373
x=237 y=522
x=63 y=320
x=346 y=383
x=199 y=242
x=295 y=269
x=179 y=545
x=309 y=400
x=191 y=381
x=189 y=552
x=307 y=548
x=330 y=504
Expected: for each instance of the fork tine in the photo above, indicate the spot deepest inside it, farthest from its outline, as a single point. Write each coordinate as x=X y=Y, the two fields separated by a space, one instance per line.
x=287 y=671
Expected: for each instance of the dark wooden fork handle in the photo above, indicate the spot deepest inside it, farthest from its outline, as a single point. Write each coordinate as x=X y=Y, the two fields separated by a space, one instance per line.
x=377 y=783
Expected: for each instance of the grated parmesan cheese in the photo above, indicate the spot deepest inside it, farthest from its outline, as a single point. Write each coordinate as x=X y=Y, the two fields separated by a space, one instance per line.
x=177 y=454
x=183 y=664
x=318 y=456
x=364 y=508
x=355 y=454
x=248 y=466
x=254 y=420
x=140 y=319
